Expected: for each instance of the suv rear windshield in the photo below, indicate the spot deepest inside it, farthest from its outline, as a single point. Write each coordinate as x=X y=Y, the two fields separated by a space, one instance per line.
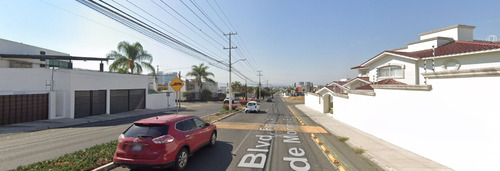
x=251 y=104
x=144 y=131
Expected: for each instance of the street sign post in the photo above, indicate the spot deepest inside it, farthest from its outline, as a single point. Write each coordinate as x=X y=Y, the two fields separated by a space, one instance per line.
x=177 y=84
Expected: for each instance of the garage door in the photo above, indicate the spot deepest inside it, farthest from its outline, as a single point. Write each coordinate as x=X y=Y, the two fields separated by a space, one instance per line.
x=118 y=101
x=92 y=102
x=23 y=108
x=127 y=100
x=98 y=102
x=137 y=99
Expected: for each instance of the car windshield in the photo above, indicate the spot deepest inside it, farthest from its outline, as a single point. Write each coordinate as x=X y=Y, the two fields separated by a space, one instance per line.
x=251 y=104
x=140 y=130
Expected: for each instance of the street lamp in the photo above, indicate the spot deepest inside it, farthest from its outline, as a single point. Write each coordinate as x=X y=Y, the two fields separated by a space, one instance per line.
x=230 y=86
x=230 y=83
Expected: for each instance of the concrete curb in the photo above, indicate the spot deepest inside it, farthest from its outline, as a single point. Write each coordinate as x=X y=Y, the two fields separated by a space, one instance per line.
x=231 y=114
x=105 y=167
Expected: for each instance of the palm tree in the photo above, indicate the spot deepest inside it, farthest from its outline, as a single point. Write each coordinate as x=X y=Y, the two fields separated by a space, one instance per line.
x=130 y=57
x=200 y=74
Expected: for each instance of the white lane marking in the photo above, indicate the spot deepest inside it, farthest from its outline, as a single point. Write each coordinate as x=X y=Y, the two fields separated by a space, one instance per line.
x=237 y=148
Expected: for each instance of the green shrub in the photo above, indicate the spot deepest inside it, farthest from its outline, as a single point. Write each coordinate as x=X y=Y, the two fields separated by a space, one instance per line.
x=343 y=139
x=359 y=150
x=186 y=94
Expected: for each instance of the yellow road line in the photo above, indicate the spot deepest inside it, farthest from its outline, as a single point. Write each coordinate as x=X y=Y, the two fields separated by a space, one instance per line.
x=333 y=159
x=318 y=141
x=315 y=138
x=324 y=149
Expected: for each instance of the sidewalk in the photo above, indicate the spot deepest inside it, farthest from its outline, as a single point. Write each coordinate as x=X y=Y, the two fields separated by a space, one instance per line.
x=67 y=122
x=384 y=154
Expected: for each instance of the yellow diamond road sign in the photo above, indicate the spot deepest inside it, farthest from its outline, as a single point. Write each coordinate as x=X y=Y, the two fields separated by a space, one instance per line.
x=176 y=84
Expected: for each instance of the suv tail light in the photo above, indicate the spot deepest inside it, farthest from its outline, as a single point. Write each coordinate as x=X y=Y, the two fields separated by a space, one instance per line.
x=163 y=139
x=120 y=138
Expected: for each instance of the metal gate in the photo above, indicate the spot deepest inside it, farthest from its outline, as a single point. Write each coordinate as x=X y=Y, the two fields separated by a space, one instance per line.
x=137 y=99
x=90 y=103
x=23 y=108
x=127 y=100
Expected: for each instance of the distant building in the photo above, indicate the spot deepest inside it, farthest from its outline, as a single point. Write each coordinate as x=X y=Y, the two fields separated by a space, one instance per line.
x=165 y=78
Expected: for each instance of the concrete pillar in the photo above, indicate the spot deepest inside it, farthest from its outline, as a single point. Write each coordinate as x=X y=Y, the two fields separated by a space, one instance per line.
x=52 y=105
x=108 y=101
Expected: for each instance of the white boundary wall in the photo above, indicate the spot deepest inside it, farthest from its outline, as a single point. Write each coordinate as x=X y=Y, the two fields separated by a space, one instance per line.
x=313 y=101
x=160 y=101
x=66 y=82
x=456 y=124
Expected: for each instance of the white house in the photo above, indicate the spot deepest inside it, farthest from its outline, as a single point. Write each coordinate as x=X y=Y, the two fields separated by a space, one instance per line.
x=447 y=49
x=434 y=97
x=39 y=84
x=194 y=88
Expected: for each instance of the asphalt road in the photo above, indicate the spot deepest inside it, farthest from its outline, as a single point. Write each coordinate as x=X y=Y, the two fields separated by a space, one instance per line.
x=31 y=147
x=268 y=140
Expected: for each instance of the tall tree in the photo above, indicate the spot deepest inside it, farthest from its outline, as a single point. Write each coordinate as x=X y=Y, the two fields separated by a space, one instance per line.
x=236 y=86
x=130 y=57
x=200 y=74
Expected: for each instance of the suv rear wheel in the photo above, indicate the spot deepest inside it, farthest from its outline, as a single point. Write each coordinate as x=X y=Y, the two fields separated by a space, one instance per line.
x=181 y=159
x=213 y=139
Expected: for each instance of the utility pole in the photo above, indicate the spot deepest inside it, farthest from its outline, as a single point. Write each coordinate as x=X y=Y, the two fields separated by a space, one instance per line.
x=246 y=90
x=260 y=85
x=178 y=95
x=230 y=86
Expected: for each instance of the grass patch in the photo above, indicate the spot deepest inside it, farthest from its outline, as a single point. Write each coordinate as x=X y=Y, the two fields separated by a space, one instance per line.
x=87 y=159
x=359 y=150
x=343 y=139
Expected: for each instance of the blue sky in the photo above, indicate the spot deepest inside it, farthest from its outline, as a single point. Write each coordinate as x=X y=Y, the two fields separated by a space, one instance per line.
x=291 y=41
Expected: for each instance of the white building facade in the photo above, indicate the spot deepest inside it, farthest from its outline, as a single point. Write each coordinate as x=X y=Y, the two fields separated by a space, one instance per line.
x=31 y=92
x=438 y=102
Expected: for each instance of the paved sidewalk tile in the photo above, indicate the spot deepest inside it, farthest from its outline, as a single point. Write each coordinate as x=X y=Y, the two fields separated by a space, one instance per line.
x=386 y=155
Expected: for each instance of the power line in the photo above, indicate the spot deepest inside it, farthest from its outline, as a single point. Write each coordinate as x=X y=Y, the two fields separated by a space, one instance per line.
x=140 y=26
x=218 y=15
x=204 y=14
x=186 y=20
x=238 y=37
x=164 y=24
x=224 y=15
x=203 y=20
x=146 y=29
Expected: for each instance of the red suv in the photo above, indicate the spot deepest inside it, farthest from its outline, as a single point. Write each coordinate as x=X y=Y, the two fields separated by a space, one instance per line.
x=163 y=141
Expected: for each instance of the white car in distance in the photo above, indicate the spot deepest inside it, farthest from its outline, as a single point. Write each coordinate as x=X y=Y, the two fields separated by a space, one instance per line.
x=252 y=106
